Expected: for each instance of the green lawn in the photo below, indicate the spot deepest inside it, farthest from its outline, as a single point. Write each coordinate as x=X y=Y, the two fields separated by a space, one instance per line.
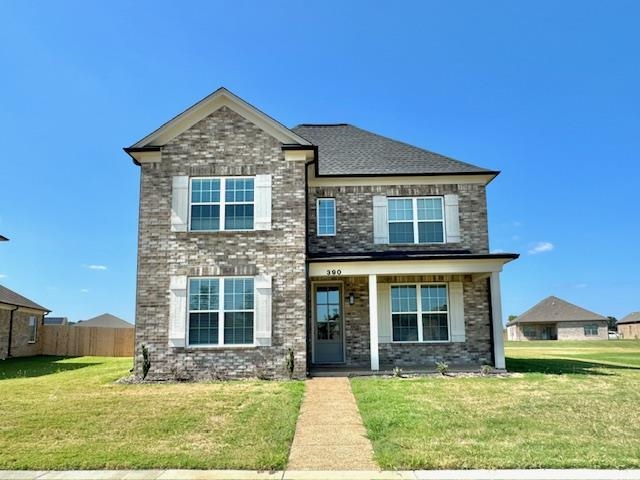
x=575 y=404
x=68 y=414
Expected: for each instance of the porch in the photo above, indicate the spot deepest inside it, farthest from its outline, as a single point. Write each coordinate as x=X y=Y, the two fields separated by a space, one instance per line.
x=370 y=315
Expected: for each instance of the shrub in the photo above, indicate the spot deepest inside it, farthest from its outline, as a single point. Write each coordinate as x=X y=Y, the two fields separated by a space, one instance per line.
x=442 y=367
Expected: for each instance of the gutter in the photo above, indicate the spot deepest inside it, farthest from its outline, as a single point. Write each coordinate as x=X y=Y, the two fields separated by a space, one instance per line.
x=11 y=331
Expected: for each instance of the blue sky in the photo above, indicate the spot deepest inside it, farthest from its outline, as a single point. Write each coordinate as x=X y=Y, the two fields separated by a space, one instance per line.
x=547 y=92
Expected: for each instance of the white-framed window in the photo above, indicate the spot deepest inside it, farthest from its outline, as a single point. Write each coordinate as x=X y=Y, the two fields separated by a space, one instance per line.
x=33 y=329
x=591 y=330
x=326 y=212
x=221 y=203
x=416 y=219
x=420 y=313
x=221 y=311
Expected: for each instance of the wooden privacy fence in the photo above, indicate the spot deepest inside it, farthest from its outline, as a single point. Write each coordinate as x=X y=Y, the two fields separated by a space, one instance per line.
x=69 y=341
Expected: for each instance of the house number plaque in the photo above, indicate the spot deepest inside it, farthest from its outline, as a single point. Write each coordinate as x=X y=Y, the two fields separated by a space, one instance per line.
x=334 y=272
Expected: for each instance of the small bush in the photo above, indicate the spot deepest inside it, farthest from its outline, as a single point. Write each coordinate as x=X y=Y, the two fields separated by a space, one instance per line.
x=290 y=361
x=486 y=370
x=397 y=372
x=442 y=367
x=146 y=361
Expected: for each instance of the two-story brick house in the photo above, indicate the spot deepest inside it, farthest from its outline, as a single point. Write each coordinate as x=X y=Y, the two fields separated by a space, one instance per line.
x=345 y=247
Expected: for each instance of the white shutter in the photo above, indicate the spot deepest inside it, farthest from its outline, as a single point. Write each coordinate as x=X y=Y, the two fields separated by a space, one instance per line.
x=262 y=220
x=263 y=310
x=456 y=312
x=177 y=311
x=452 y=218
x=384 y=313
x=180 y=204
x=380 y=223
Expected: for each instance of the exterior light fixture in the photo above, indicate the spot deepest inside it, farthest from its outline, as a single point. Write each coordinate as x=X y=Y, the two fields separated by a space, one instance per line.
x=352 y=298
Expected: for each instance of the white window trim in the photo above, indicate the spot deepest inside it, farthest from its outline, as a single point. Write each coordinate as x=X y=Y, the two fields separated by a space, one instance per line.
x=335 y=220
x=222 y=202
x=420 y=312
x=590 y=325
x=415 y=220
x=221 y=311
x=35 y=329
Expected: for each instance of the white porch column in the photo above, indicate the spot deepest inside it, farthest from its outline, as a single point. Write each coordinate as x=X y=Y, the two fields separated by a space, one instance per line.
x=373 y=321
x=496 y=309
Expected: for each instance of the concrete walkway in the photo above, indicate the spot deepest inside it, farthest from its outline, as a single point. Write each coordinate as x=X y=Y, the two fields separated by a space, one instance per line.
x=329 y=433
x=578 y=474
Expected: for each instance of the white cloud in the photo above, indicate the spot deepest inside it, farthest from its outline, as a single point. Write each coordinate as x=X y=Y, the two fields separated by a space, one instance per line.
x=517 y=223
x=581 y=285
x=95 y=267
x=2 y=275
x=541 y=247
x=515 y=237
x=497 y=250
x=84 y=290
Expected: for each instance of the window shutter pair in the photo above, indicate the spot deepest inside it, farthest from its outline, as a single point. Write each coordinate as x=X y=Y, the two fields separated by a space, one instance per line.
x=381 y=223
x=178 y=311
x=180 y=203
x=456 y=313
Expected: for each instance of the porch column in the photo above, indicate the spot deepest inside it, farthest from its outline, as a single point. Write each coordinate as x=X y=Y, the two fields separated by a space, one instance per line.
x=496 y=309
x=373 y=321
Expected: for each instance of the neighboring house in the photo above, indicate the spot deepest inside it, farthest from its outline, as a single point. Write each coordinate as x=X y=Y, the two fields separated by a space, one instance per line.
x=20 y=322
x=55 y=321
x=328 y=241
x=629 y=326
x=106 y=320
x=556 y=319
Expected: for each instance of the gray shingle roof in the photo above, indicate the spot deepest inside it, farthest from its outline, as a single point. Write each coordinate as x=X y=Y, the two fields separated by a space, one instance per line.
x=12 y=298
x=105 y=320
x=554 y=309
x=633 y=317
x=347 y=150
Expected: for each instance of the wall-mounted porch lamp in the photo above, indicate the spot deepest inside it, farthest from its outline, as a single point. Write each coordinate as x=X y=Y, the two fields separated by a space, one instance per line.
x=352 y=298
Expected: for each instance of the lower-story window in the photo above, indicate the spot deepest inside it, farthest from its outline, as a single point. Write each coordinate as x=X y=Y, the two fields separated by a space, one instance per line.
x=33 y=329
x=591 y=330
x=221 y=311
x=420 y=313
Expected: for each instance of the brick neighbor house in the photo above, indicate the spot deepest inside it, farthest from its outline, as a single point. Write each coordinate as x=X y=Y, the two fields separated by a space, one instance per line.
x=337 y=244
x=557 y=319
x=20 y=324
x=629 y=326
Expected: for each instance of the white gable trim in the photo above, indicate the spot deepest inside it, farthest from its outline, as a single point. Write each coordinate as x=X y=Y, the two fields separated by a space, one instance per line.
x=205 y=107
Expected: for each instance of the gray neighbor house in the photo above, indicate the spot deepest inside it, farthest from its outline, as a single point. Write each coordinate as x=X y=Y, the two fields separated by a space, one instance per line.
x=557 y=319
x=328 y=242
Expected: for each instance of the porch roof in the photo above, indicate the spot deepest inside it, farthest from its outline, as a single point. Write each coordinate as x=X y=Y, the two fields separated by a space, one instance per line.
x=406 y=263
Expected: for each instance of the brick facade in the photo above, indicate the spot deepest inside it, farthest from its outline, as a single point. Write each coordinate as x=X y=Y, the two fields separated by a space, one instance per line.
x=557 y=331
x=226 y=144
x=354 y=219
x=222 y=144
x=20 y=344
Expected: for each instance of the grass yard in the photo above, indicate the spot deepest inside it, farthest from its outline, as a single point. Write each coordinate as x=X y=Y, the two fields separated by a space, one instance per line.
x=68 y=414
x=575 y=405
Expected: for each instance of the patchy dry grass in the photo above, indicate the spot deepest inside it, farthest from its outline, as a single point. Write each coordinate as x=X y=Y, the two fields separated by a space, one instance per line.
x=68 y=414
x=577 y=404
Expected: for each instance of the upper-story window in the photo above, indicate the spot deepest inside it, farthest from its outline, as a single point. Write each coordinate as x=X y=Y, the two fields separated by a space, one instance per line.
x=416 y=220
x=222 y=203
x=326 y=210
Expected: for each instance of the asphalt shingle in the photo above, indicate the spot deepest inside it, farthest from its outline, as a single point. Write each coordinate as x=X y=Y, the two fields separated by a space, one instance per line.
x=554 y=309
x=344 y=149
x=10 y=297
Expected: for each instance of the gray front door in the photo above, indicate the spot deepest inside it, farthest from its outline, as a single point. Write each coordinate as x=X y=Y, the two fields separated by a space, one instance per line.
x=328 y=325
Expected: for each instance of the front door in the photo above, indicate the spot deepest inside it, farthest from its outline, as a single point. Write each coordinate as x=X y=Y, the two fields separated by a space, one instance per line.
x=328 y=332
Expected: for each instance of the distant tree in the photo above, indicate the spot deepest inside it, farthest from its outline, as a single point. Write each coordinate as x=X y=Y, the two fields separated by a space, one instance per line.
x=511 y=318
x=612 y=324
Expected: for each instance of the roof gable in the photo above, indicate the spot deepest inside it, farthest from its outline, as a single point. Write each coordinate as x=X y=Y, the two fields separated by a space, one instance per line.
x=554 y=309
x=10 y=297
x=205 y=107
x=344 y=149
x=104 y=320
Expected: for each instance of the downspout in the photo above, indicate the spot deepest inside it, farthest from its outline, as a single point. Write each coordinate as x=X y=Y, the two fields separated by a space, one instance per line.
x=493 y=347
x=11 y=330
